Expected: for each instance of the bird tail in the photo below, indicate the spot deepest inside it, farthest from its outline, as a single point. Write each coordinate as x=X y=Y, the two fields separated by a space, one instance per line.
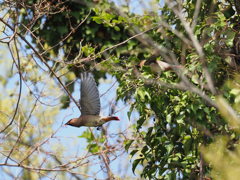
x=110 y=118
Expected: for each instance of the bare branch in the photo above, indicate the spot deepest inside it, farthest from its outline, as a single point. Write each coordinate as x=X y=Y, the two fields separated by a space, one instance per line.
x=45 y=63
x=18 y=65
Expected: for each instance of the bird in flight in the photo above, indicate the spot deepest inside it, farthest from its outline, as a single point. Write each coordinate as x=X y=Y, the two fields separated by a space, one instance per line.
x=90 y=105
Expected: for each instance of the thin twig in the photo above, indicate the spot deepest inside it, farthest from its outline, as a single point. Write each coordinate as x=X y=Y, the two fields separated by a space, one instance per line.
x=21 y=132
x=20 y=85
x=45 y=63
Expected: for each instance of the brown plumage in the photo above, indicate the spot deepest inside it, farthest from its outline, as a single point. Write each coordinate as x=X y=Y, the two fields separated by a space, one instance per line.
x=159 y=66
x=90 y=105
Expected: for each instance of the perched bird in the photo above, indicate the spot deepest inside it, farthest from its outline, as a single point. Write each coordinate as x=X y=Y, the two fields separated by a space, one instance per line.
x=159 y=66
x=90 y=105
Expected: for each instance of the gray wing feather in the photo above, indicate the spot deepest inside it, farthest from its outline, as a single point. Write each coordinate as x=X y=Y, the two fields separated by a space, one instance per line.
x=90 y=101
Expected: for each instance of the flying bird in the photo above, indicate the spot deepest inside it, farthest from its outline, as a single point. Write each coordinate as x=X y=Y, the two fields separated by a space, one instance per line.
x=90 y=105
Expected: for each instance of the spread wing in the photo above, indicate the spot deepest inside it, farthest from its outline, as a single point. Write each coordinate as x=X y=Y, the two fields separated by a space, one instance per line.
x=90 y=101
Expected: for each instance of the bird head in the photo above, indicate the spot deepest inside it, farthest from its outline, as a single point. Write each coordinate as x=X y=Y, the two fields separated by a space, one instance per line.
x=73 y=122
x=115 y=118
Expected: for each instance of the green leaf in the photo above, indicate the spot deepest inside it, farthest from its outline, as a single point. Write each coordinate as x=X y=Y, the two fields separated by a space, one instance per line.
x=135 y=163
x=97 y=19
x=144 y=149
x=133 y=152
x=116 y=28
x=141 y=94
x=65 y=100
x=130 y=112
x=169 y=148
x=169 y=118
x=128 y=144
x=93 y=148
